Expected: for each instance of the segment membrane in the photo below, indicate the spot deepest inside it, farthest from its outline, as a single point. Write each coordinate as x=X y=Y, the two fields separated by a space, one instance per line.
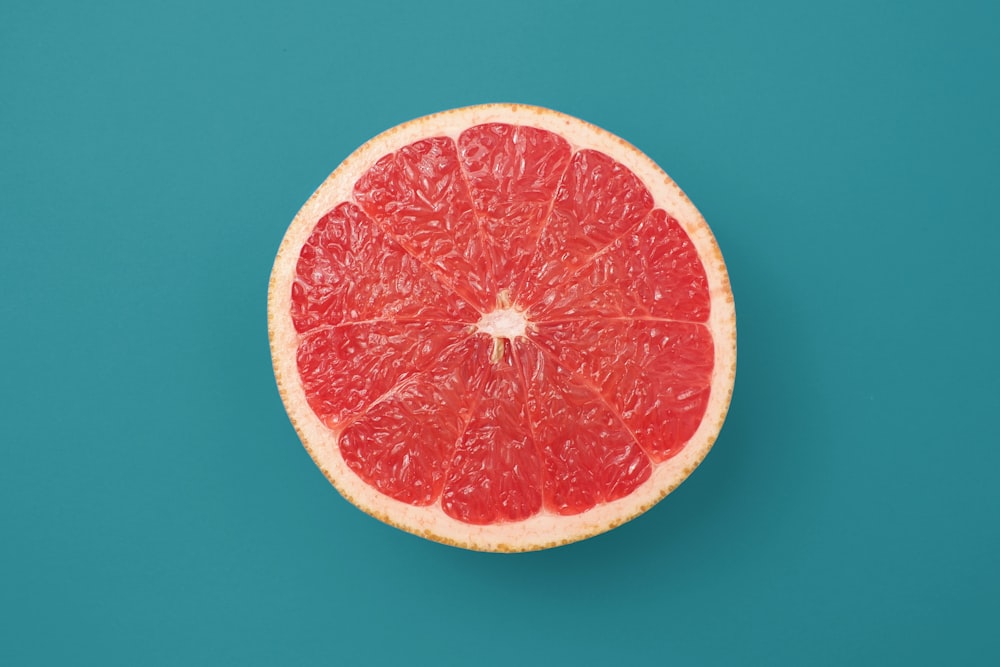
x=611 y=375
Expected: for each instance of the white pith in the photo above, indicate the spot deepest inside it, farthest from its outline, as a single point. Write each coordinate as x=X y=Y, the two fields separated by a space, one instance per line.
x=544 y=529
x=506 y=323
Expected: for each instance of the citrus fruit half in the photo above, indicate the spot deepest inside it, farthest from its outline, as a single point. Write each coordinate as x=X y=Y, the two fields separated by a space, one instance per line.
x=502 y=328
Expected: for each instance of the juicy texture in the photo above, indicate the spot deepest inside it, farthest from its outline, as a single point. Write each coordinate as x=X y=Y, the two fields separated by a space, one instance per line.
x=611 y=378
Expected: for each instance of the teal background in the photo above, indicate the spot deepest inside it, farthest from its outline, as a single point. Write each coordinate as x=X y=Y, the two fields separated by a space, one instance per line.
x=156 y=507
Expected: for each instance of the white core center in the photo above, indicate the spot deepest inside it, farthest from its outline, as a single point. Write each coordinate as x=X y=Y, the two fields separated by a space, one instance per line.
x=503 y=323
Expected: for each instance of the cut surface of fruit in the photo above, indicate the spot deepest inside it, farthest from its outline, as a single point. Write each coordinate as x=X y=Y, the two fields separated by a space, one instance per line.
x=502 y=328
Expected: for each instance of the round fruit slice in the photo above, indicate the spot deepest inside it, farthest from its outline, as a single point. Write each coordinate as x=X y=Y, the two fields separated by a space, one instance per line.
x=502 y=328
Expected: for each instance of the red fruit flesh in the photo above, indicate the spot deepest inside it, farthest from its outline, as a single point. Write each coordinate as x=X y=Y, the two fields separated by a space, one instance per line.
x=611 y=376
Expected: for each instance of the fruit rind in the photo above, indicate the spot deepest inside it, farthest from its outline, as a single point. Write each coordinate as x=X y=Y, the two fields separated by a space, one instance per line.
x=543 y=530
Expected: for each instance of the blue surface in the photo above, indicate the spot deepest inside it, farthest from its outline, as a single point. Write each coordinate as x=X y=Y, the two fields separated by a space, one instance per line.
x=156 y=506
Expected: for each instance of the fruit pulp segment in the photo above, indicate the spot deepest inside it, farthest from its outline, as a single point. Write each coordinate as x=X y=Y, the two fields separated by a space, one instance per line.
x=608 y=374
x=513 y=174
x=496 y=473
x=351 y=270
x=402 y=443
x=597 y=202
x=420 y=197
x=654 y=375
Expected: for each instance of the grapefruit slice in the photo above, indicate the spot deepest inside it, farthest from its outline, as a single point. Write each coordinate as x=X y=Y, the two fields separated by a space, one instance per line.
x=502 y=328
